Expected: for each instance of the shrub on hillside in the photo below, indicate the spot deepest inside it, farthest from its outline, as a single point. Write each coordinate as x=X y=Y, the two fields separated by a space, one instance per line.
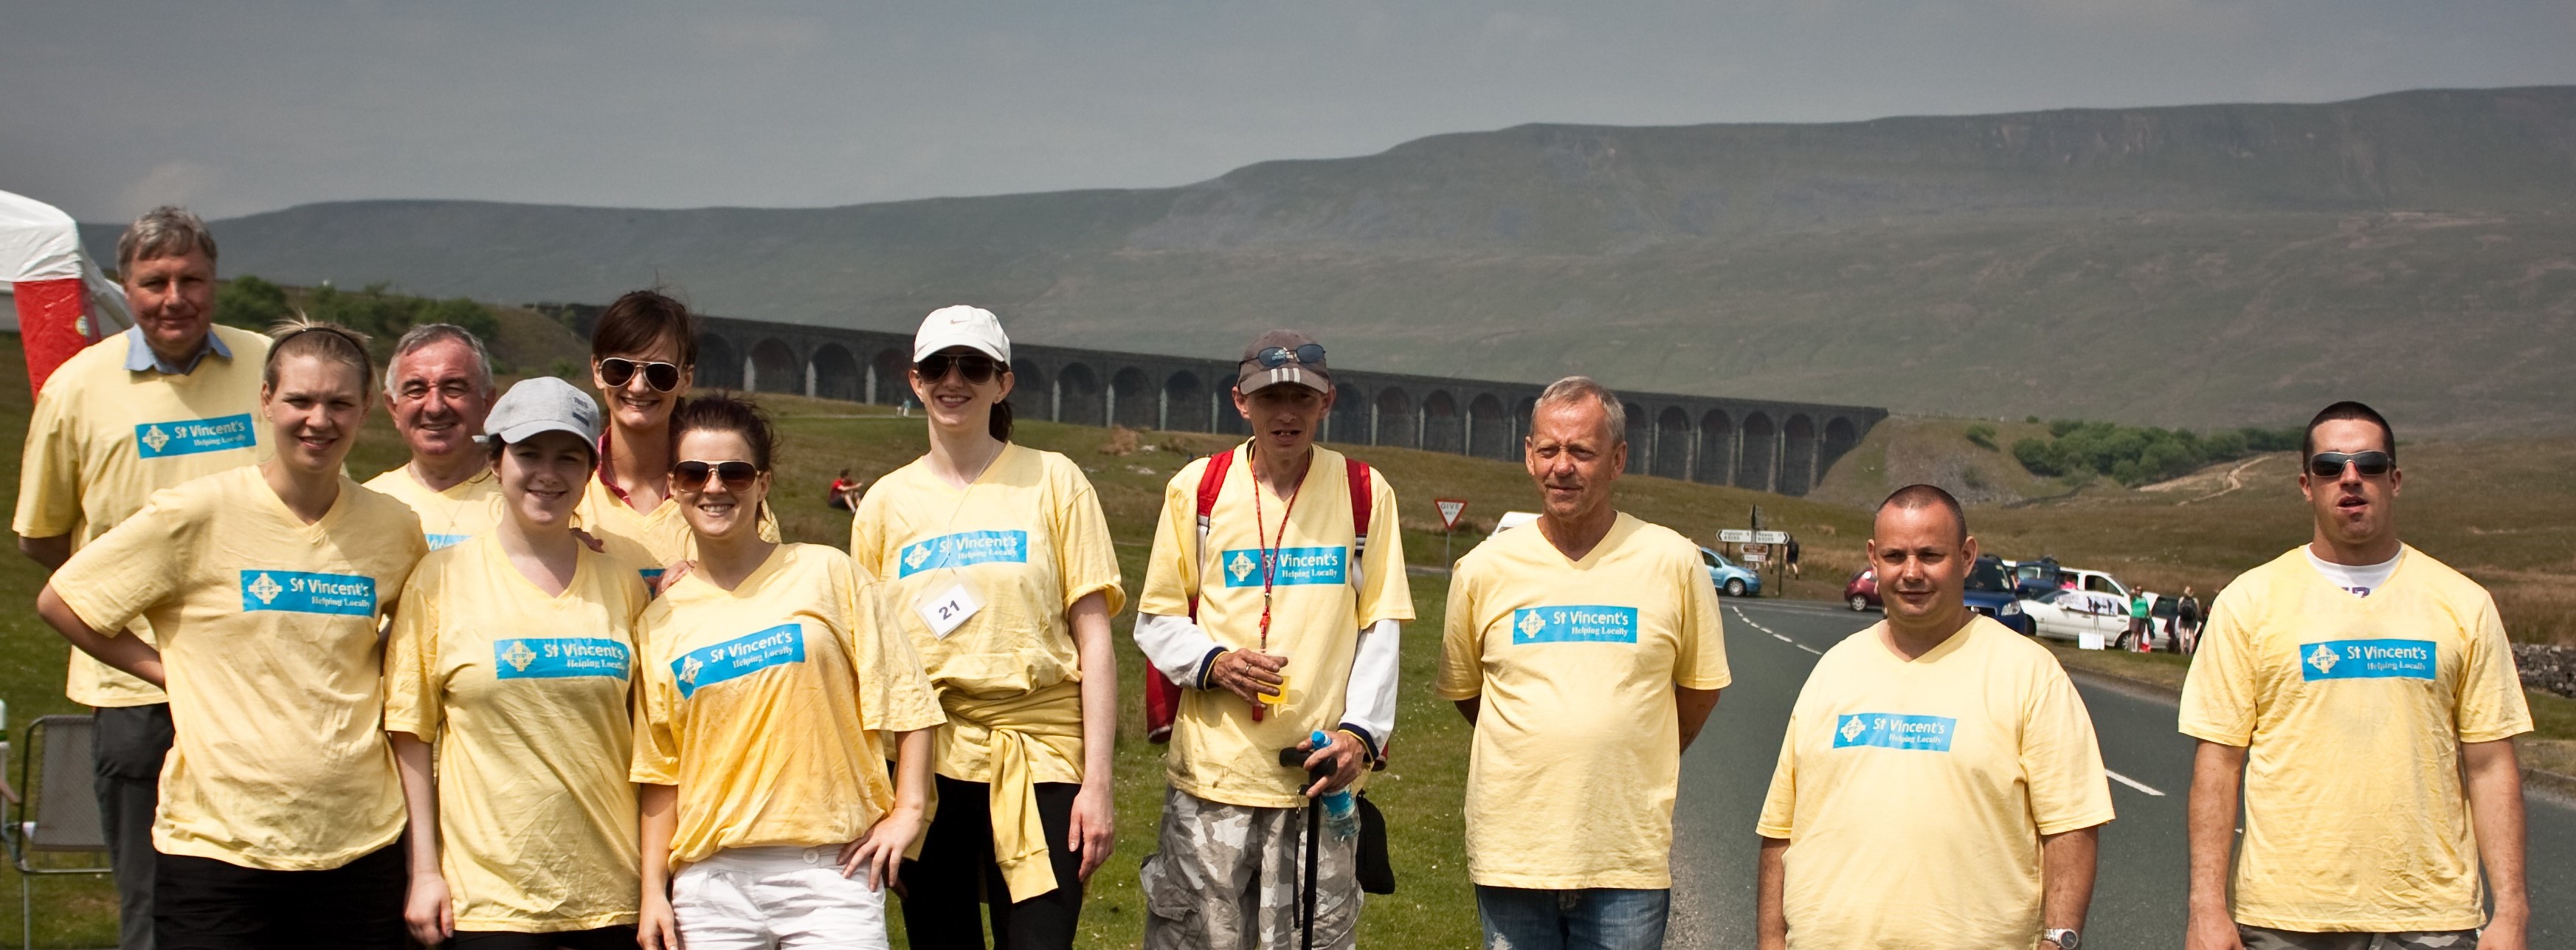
x=2133 y=456
x=1983 y=436
x=255 y=304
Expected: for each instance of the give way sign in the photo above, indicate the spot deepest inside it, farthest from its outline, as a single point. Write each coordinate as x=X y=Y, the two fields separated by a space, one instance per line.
x=1450 y=509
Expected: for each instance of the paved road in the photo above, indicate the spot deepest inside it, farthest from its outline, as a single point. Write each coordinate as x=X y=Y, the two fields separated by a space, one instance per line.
x=2138 y=896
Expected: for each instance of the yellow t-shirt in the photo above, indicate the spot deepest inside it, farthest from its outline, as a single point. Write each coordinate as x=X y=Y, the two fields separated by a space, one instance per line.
x=763 y=703
x=1914 y=794
x=268 y=642
x=652 y=540
x=1028 y=539
x=2353 y=710
x=1578 y=746
x=467 y=509
x=1217 y=752
x=104 y=438
x=526 y=696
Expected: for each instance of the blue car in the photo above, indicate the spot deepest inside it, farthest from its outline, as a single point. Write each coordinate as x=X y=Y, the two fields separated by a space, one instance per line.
x=1990 y=592
x=1735 y=580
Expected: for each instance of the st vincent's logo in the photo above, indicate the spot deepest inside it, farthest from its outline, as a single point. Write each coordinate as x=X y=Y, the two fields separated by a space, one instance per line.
x=689 y=668
x=519 y=656
x=1241 y=567
x=1852 y=729
x=2323 y=659
x=1531 y=624
x=265 y=588
x=156 y=438
x=920 y=555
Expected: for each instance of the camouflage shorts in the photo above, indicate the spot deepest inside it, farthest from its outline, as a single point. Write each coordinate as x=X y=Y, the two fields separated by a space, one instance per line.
x=2265 y=938
x=1227 y=877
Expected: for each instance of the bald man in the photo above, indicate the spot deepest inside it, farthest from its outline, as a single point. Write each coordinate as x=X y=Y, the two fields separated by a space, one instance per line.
x=1939 y=786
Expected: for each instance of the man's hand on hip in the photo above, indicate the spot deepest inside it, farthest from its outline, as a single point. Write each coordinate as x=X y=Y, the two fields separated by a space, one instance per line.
x=1247 y=673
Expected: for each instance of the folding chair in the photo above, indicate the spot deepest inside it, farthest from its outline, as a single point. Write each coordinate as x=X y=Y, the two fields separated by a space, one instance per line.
x=62 y=818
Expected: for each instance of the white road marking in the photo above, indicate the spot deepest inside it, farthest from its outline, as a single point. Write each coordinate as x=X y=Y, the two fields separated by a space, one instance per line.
x=2132 y=783
x=1739 y=614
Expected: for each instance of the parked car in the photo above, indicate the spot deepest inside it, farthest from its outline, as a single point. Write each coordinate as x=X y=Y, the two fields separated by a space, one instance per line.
x=2033 y=580
x=1735 y=579
x=1990 y=592
x=1862 y=590
x=2069 y=614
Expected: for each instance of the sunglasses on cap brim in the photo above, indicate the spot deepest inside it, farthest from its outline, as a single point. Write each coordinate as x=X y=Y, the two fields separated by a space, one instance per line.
x=1277 y=356
x=692 y=476
x=663 y=377
x=2371 y=464
x=976 y=367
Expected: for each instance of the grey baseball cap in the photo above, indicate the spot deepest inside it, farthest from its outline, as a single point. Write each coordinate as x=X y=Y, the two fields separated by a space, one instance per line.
x=542 y=404
x=1282 y=356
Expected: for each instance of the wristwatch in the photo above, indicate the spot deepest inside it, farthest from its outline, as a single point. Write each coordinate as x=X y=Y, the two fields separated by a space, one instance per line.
x=2064 y=938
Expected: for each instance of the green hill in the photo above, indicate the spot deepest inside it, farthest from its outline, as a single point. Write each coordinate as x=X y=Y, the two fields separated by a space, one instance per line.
x=2206 y=266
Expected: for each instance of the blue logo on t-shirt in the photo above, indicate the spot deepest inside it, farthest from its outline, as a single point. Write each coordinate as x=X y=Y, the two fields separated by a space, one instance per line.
x=739 y=657
x=299 y=592
x=1242 y=566
x=1576 y=624
x=553 y=657
x=154 y=440
x=2367 y=660
x=1894 y=731
x=437 y=541
x=963 y=549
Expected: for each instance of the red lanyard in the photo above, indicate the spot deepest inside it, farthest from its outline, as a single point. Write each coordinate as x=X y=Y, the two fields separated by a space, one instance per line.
x=1269 y=551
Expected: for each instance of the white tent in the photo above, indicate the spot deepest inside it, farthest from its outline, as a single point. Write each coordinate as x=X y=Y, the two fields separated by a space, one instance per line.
x=58 y=300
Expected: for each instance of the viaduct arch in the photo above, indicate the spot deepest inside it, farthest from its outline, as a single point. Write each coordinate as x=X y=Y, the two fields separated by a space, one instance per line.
x=1766 y=445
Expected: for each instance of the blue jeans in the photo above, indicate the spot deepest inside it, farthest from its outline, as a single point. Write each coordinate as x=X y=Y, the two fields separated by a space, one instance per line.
x=1600 y=918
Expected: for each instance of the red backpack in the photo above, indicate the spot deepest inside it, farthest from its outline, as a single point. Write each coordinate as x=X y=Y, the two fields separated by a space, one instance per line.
x=1162 y=696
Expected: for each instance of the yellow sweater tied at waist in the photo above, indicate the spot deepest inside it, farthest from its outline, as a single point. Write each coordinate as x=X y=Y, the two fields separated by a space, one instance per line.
x=1012 y=743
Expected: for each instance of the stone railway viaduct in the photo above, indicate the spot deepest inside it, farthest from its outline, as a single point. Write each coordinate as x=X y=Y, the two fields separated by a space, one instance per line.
x=1782 y=447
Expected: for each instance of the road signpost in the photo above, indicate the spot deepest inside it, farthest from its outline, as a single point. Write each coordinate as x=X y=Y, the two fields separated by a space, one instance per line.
x=1450 y=509
x=1734 y=536
x=1756 y=553
x=1770 y=537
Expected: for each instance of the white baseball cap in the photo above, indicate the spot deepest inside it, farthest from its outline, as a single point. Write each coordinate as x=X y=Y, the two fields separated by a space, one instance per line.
x=972 y=327
x=542 y=404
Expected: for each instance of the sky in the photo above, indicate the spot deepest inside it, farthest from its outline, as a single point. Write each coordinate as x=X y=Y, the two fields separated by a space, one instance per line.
x=110 y=108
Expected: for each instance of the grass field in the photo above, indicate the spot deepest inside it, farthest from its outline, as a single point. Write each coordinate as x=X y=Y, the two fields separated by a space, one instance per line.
x=2473 y=504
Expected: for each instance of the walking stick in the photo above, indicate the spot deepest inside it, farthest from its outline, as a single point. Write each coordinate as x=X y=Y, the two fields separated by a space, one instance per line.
x=1314 y=824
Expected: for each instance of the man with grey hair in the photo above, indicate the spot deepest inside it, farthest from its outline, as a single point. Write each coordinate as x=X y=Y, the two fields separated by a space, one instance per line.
x=439 y=387
x=1587 y=652
x=165 y=402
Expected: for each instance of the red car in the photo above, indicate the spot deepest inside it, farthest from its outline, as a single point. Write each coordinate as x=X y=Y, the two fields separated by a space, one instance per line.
x=1862 y=592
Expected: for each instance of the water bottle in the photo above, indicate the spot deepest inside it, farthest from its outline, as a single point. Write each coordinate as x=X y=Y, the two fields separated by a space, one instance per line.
x=1341 y=814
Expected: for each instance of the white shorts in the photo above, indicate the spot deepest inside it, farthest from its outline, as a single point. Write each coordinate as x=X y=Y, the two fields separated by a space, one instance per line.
x=783 y=896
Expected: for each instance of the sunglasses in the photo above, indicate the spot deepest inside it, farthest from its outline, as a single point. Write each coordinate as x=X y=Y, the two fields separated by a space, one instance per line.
x=2372 y=464
x=1278 y=356
x=976 y=367
x=615 y=371
x=692 y=476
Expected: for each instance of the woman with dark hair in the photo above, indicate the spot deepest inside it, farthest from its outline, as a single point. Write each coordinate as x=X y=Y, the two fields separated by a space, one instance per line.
x=996 y=559
x=512 y=652
x=264 y=586
x=768 y=677
x=643 y=358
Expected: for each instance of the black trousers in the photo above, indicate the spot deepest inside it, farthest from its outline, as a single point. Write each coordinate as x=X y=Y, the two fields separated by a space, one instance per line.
x=127 y=746
x=205 y=904
x=942 y=890
x=601 y=938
